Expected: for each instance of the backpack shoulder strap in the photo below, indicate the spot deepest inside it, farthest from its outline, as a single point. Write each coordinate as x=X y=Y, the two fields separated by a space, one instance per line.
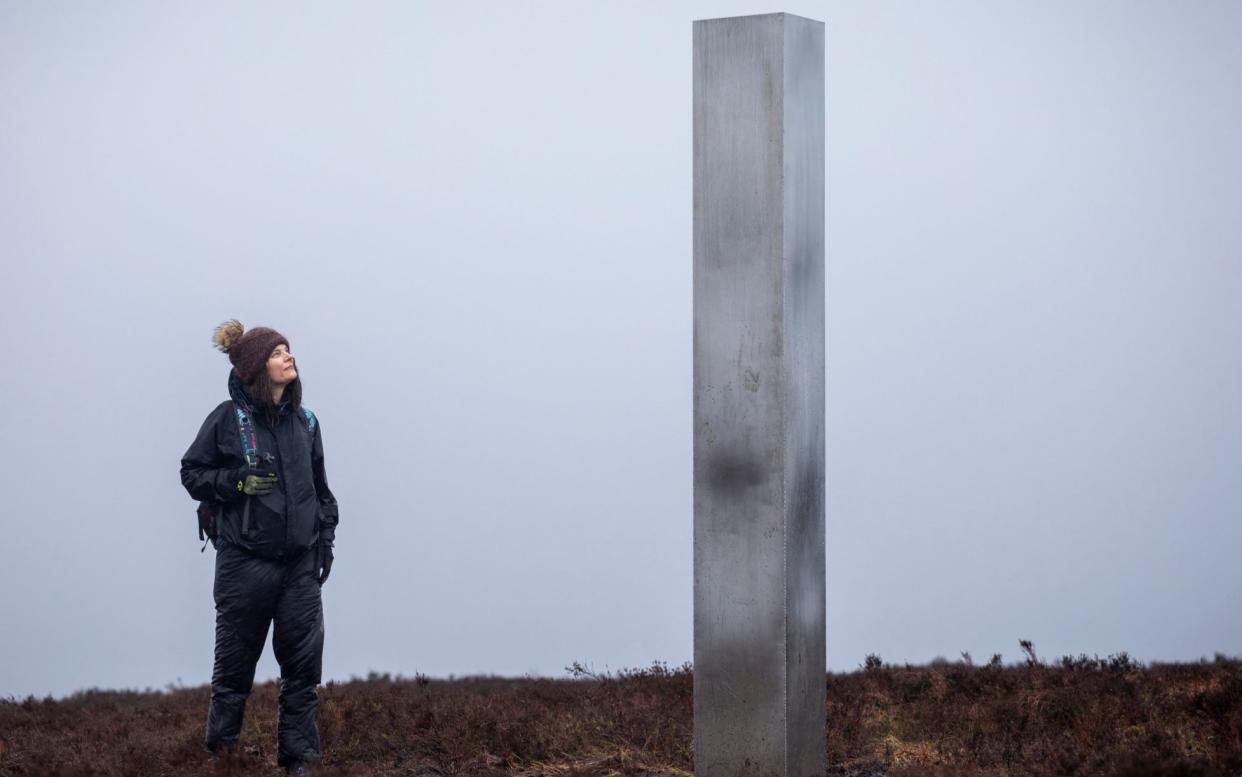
x=310 y=419
x=249 y=442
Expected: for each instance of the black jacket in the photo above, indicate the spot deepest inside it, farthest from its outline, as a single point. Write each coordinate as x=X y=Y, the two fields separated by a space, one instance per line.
x=297 y=513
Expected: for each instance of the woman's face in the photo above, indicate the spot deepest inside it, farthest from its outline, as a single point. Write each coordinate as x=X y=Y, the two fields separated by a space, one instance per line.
x=281 y=368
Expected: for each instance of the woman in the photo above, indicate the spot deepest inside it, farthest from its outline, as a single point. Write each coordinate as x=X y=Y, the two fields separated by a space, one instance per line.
x=257 y=463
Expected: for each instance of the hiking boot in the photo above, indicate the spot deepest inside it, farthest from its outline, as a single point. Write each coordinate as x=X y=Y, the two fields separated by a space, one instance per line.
x=220 y=751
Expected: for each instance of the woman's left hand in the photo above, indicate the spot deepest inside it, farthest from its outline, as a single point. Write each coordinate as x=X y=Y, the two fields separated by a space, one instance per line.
x=323 y=565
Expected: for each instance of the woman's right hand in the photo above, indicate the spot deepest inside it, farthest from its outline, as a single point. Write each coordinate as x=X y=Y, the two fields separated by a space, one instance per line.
x=258 y=485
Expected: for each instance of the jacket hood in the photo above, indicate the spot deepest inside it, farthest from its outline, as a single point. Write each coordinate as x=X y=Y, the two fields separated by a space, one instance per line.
x=238 y=393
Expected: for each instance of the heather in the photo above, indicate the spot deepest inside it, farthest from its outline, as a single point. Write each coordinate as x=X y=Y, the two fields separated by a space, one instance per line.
x=1075 y=715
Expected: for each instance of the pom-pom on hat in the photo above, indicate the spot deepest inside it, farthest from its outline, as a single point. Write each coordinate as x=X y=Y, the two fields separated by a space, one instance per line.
x=248 y=349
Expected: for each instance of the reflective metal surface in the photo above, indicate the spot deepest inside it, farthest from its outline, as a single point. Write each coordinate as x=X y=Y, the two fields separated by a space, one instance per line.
x=759 y=579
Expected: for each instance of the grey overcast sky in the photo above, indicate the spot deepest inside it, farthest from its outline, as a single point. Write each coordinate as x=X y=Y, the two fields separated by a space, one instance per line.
x=473 y=222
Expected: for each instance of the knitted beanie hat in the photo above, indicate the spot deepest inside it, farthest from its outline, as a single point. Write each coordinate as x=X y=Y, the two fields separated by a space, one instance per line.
x=248 y=349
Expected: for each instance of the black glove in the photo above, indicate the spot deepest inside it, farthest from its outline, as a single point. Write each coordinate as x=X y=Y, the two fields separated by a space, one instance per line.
x=323 y=562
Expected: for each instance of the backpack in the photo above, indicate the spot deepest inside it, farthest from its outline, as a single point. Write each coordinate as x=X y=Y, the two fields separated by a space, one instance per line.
x=207 y=525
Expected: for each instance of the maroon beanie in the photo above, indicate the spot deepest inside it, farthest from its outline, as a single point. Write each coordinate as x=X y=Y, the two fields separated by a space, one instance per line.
x=248 y=349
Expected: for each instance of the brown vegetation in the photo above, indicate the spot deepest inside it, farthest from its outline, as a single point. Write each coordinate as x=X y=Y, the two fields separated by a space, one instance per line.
x=1077 y=716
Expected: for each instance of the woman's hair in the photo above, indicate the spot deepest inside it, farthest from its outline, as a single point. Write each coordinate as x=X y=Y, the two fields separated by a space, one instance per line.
x=260 y=391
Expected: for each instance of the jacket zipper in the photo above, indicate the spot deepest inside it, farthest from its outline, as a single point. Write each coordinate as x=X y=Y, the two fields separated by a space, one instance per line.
x=276 y=436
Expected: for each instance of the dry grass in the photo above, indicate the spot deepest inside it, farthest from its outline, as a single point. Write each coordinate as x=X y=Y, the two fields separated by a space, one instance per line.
x=1076 y=716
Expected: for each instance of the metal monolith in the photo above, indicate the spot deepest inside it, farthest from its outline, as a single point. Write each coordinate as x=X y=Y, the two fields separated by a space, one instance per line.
x=759 y=577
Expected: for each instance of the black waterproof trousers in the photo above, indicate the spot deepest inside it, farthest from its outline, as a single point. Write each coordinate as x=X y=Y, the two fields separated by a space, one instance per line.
x=251 y=592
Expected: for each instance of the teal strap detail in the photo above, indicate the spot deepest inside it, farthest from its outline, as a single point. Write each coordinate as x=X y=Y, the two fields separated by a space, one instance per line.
x=248 y=439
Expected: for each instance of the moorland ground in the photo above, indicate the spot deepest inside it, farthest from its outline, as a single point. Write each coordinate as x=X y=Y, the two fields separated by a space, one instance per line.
x=1077 y=716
